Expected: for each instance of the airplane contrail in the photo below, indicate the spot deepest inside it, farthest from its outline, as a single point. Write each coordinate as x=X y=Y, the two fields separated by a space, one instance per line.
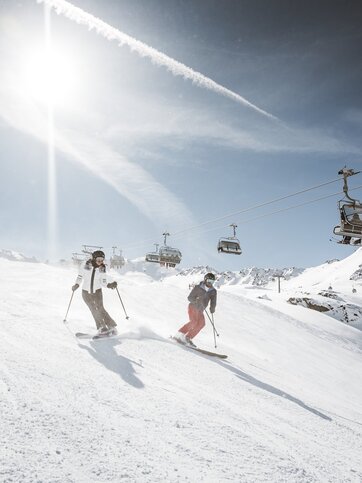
x=176 y=68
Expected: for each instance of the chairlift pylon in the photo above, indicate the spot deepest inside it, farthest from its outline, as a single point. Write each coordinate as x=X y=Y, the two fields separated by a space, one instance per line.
x=230 y=245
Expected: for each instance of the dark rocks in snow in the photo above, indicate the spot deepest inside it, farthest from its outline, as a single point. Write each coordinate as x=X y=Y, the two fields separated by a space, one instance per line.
x=357 y=275
x=309 y=303
x=344 y=312
x=329 y=294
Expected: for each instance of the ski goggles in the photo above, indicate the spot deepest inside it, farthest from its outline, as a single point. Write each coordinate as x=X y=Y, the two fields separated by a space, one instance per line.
x=211 y=281
x=99 y=259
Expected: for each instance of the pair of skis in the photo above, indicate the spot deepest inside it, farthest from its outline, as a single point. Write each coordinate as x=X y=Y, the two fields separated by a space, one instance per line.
x=82 y=335
x=197 y=349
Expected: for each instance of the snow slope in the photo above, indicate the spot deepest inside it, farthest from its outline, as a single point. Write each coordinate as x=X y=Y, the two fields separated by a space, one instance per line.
x=284 y=407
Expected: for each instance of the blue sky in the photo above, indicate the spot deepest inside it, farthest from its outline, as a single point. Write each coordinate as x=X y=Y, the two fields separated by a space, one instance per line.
x=140 y=150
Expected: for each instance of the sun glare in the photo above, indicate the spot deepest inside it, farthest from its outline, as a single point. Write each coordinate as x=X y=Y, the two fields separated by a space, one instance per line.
x=49 y=77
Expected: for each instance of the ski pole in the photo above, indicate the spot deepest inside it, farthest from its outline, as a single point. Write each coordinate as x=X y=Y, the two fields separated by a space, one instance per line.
x=212 y=323
x=66 y=315
x=213 y=328
x=122 y=303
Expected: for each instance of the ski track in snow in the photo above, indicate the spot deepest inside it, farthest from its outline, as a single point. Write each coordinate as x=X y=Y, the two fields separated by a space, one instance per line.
x=285 y=406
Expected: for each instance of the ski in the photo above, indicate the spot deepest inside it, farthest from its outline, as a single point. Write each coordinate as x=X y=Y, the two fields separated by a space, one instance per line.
x=82 y=335
x=202 y=351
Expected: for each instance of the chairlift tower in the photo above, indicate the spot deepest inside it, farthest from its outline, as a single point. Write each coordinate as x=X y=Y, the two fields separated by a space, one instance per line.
x=279 y=275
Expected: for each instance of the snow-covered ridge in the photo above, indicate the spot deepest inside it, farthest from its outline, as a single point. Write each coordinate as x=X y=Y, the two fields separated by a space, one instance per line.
x=16 y=256
x=245 y=276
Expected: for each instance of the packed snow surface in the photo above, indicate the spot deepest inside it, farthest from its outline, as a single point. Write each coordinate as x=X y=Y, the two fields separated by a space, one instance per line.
x=286 y=406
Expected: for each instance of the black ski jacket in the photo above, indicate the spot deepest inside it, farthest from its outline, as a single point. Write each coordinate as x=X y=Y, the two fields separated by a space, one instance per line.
x=200 y=298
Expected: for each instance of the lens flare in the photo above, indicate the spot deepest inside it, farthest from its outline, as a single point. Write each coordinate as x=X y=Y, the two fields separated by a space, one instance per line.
x=49 y=77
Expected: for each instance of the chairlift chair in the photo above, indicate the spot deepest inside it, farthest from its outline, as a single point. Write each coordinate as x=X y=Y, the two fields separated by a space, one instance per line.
x=169 y=256
x=89 y=249
x=229 y=245
x=153 y=257
x=351 y=220
x=165 y=255
x=77 y=258
x=350 y=211
x=117 y=260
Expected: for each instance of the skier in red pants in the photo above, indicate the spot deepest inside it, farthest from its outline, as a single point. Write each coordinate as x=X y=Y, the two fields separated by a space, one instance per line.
x=199 y=298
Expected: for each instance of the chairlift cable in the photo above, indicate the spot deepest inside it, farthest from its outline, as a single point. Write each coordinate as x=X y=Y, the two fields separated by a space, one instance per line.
x=282 y=210
x=245 y=210
x=255 y=207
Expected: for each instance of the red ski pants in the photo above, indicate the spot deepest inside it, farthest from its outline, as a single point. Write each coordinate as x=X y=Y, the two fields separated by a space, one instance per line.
x=197 y=322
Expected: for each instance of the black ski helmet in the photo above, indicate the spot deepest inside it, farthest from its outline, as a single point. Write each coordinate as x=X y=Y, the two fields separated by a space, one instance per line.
x=209 y=276
x=98 y=253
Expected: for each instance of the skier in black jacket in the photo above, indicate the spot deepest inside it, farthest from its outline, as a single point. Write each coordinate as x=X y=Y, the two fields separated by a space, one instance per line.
x=199 y=298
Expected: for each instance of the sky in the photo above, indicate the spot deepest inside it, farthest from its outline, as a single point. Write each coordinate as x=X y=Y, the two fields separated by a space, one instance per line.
x=140 y=149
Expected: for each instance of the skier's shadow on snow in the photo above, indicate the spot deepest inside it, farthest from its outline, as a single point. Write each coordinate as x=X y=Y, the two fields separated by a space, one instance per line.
x=274 y=390
x=104 y=352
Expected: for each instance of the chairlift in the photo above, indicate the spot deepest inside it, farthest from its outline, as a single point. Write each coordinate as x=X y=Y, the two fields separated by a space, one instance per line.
x=350 y=211
x=77 y=258
x=169 y=257
x=231 y=244
x=153 y=257
x=165 y=255
x=117 y=260
x=89 y=249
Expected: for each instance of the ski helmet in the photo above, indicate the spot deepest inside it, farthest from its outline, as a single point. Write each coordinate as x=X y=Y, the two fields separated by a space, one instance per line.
x=209 y=276
x=98 y=253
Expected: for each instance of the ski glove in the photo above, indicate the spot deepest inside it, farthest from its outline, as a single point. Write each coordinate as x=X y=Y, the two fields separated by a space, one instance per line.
x=74 y=288
x=112 y=285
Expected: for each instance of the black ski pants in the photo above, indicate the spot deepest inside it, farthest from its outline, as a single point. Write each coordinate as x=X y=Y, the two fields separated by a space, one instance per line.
x=95 y=304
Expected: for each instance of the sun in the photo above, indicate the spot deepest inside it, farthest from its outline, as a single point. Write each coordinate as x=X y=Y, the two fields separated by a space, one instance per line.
x=49 y=77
